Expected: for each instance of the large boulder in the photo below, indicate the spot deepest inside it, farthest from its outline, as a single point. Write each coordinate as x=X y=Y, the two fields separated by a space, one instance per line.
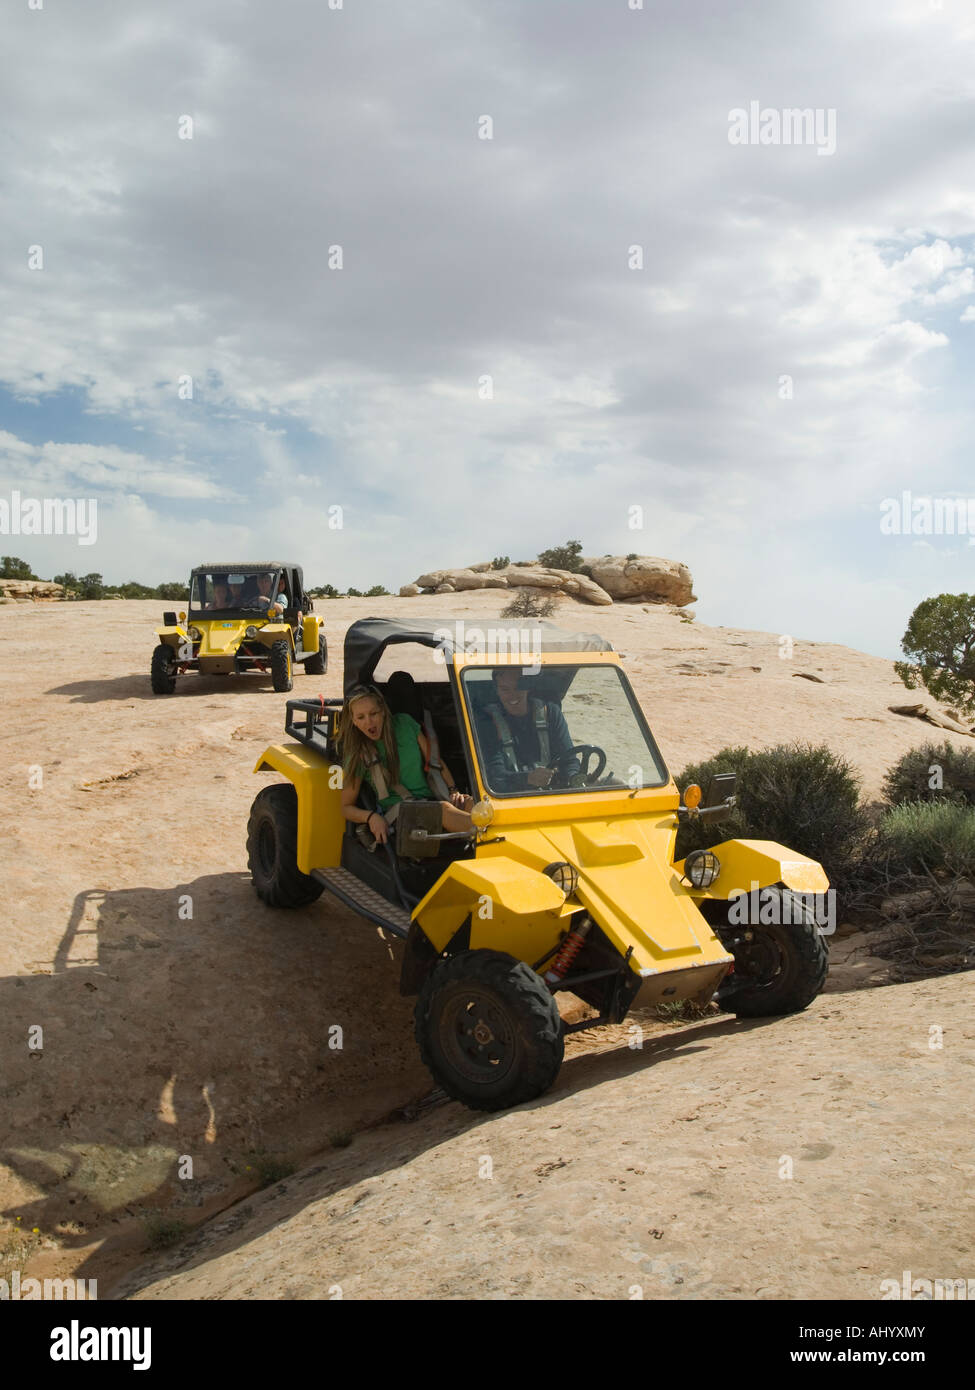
x=643 y=580
x=25 y=590
x=646 y=579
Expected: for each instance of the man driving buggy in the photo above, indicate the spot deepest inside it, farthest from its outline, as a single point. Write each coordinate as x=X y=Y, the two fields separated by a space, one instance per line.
x=521 y=737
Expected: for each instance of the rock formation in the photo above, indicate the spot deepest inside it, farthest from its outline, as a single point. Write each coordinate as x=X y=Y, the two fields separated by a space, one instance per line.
x=612 y=578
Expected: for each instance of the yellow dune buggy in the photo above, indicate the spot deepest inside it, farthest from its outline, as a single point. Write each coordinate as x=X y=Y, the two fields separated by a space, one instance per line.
x=567 y=880
x=252 y=617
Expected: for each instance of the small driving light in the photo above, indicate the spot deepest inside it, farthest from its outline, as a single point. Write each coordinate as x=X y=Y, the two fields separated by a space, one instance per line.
x=565 y=875
x=182 y=617
x=701 y=867
x=482 y=814
x=250 y=631
x=692 y=797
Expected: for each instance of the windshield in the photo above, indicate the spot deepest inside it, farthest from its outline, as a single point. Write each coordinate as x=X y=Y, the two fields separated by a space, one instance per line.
x=565 y=728
x=249 y=591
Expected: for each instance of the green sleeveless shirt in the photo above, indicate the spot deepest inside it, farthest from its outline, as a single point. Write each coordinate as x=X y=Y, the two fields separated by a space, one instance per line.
x=411 y=775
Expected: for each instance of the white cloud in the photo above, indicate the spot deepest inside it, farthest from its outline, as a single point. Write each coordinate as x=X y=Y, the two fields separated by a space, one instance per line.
x=464 y=258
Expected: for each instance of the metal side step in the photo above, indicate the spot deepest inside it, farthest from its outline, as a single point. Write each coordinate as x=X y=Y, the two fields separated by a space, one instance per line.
x=366 y=901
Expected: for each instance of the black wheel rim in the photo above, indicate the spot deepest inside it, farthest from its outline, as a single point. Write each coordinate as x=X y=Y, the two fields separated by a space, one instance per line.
x=761 y=960
x=266 y=848
x=477 y=1038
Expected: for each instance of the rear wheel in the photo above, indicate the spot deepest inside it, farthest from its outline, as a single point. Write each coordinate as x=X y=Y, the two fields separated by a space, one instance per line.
x=272 y=850
x=163 y=670
x=779 y=967
x=280 y=662
x=488 y=1030
x=315 y=665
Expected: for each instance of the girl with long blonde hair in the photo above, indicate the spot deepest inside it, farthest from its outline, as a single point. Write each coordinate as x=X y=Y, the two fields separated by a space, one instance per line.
x=390 y=751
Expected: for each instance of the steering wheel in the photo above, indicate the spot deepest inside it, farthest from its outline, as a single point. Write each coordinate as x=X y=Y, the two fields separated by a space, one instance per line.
x=585 y=752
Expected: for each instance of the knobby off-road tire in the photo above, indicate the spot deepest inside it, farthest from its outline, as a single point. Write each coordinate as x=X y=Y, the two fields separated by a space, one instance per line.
x=782 y=969
x=488 y=1030
x=163 y=670
x=315 y=665
x=272 y=844
x=280 y=663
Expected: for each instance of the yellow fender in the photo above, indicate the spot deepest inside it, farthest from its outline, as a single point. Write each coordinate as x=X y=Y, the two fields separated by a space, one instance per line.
x=320 y=820
x=311 y=631
x=512 y=907
x=748 y=864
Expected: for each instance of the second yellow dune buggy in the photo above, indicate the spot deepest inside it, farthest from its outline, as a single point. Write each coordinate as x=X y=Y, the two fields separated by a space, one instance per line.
x=567 y=880
x=242 y=617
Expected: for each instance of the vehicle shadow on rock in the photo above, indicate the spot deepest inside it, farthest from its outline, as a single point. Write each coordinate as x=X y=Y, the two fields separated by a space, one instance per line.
x=189 y=1023
x=93 y=692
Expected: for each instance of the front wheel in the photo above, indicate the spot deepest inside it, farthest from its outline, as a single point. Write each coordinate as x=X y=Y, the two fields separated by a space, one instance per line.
x=280 y=662
x=272 y=850
x=488 y=1030
x=315 y=665
x=780 y=967
x=163 y=670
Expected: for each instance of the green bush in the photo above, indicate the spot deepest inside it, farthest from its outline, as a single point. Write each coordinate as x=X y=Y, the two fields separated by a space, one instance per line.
x=353 y=593
x=804 y=796
x=500 y=562
x=376 y=591
x=174 y=592
x=562 y=557
x=929 y=835
x=911 y=776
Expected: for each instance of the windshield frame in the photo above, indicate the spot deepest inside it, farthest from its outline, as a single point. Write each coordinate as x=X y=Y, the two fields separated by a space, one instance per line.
x=233 y=610
x=588 y=790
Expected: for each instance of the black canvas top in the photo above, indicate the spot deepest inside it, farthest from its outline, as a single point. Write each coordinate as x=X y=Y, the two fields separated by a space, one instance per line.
x=367 y=639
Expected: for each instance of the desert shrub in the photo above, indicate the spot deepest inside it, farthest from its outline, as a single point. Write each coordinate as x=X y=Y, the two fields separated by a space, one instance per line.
x=633 y=555
x=804 y=796
x=500 y=562
x=133 y=589
x=562 y=557
x=174 y=591
x=163 y=1232
x=376 y=591
x=353 y=593
x=531 y=603
x=910 y=777
x=929 y=835
x=270 y=1168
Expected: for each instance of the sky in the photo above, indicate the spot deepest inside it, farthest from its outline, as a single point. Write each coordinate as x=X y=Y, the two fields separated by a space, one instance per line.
x=384 y=287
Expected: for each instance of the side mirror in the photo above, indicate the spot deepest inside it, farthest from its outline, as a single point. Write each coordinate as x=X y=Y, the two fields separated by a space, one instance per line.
x=418 y=824
x=720 y=798
x=169 y=619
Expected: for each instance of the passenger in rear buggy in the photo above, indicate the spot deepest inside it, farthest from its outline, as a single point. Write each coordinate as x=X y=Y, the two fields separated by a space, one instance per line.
x=390 y=751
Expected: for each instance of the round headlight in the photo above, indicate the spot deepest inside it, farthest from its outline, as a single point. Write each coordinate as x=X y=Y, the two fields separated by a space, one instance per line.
x=195 y=634
x=702 y=867
x=250 y=631
x=565 y=875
